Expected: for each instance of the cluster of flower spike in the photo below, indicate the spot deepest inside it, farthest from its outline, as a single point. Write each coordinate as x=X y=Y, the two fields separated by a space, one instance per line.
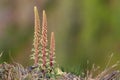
x=42 y=56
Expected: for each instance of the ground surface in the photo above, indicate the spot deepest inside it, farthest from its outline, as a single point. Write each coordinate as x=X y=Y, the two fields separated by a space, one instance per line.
x=18 y=72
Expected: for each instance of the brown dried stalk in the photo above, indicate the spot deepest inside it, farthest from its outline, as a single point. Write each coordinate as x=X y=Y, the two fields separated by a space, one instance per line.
x=44 y=38
x=36 y=35
x=52 y=49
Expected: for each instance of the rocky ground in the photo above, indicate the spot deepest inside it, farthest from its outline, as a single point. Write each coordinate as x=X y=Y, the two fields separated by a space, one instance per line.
x=18 y=72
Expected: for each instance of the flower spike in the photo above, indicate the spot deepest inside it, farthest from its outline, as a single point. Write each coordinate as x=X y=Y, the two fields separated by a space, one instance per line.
x=36 y=35
x=52 y=49
x=44 y=38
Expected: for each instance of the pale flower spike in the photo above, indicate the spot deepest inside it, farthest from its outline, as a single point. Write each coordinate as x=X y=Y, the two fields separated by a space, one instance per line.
x=52 y=49
x=36 y=35
x=44 y=38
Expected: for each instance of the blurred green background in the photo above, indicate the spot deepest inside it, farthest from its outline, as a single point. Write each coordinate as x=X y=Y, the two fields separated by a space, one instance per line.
x=85 y=30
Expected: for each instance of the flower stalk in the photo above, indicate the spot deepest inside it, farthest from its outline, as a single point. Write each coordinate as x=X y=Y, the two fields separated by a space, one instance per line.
x=52 y=49
x=44 y=38
x=37 y=35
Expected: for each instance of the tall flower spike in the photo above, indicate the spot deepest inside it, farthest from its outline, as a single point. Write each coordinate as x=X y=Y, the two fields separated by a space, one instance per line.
x=52 y=49
x=44 y=38
x=36 y=35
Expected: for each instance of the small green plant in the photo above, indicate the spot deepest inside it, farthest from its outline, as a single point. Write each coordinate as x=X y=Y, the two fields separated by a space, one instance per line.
x=44 y=57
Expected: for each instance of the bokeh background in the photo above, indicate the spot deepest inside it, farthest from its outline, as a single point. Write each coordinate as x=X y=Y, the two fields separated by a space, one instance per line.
x=86 y=31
